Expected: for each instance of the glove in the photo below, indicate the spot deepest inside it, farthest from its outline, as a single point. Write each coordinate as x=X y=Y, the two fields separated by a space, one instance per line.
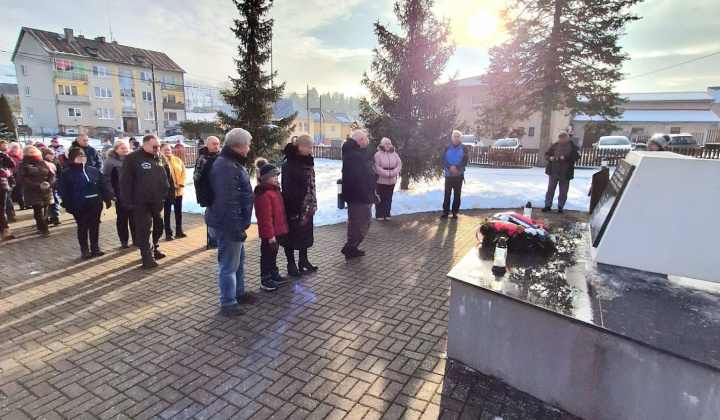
x=108 y=204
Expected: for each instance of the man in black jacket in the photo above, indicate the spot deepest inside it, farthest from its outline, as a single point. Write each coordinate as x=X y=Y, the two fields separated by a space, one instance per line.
x=144 y=187
x=93 y=159
x=561 y=157
x=358 y=191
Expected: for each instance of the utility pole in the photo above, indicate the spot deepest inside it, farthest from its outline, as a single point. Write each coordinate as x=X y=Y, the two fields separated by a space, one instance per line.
x=152 y=69
x=321 y=132
x=307 y=105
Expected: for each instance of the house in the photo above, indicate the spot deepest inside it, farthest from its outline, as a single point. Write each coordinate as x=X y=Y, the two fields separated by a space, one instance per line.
x=285 y=108
x=661 y=112
x=346 y=123
x=471 y=93
x=327 y=127
x=72 y=84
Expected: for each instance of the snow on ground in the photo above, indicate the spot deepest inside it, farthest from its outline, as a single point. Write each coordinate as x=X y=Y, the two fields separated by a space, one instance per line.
x=484 y=188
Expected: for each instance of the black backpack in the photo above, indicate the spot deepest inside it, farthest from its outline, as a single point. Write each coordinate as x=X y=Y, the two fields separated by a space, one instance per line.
x=201 y=179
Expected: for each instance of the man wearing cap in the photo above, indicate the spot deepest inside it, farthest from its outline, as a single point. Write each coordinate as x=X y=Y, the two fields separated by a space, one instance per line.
x=144 y=186
x=561 y=157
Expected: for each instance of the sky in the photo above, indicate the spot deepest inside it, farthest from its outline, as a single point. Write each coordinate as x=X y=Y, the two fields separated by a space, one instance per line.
x=329 y=45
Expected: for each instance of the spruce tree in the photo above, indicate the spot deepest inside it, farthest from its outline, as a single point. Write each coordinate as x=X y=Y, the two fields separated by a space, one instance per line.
x=7 y=125
x=408 y=103
x=252 y=93
x=560 y=55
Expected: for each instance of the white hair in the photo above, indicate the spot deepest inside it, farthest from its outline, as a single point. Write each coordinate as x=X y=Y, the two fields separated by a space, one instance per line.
x=237 y=137
x=358 y=134
x=457 y=131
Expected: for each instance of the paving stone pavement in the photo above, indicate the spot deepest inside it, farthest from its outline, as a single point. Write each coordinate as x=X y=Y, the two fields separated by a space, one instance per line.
x=365 y=339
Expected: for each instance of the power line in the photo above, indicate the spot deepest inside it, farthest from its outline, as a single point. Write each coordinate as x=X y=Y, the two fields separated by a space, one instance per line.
x=673 y=66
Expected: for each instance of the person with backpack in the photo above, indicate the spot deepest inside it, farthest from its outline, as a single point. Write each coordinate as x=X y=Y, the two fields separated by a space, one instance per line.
x=201 y=177
x=228 y=216
x=83 y=193
x=272 y=225
x=455 y=157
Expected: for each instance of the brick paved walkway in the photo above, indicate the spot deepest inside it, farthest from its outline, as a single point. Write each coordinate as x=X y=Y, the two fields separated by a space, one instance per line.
x=365 y=339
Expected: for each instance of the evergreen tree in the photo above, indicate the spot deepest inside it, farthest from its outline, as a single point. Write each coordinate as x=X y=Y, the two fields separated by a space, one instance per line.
x=252 y=94
x=408 y=105
x=560 y=55
x=7 y=125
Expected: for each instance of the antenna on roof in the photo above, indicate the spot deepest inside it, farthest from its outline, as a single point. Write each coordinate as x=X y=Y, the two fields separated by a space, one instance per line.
x=109 y=23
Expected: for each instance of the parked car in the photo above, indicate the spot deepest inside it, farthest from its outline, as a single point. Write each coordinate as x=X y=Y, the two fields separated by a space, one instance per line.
x=105 y=133
x=469 y=140
x=682 y=141
x=174 y=131
x=508 y=143
x=24 y=130
x=613 y=143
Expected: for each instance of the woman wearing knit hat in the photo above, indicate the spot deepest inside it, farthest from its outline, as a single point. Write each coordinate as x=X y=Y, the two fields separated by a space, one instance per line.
x=37 y=179
x=83 y=192
x=658 y=143
x=15 y=153
x=272 y=226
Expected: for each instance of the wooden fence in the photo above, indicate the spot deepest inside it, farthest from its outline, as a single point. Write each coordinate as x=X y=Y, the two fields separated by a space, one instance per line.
x=188 y=155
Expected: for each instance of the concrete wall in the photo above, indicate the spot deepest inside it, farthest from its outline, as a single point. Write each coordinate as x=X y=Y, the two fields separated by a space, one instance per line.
x=588 y=372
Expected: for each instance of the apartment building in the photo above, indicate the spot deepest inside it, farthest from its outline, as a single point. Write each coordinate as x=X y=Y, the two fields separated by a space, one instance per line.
x=71 y=84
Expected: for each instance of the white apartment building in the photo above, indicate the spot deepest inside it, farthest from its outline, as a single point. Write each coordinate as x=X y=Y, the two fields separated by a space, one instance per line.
x=71 y=84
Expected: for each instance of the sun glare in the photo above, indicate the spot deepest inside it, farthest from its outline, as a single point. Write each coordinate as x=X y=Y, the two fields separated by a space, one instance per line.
x=482 y=25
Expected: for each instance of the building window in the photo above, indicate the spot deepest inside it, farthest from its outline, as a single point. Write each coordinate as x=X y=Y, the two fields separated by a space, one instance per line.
x=27 y=90
x=145 y=76
x=30 y=112
x=23 y=69
x=67 y=90
x=150 y=116
x=101 y=71
x=332 y=128
x=531 y=131
x=147 y=96
x=475 y=99
x=74 y=112
x=673 y=130
x=306 y=127
x=106 y=114
x=70 y=70
x=171 y=116
x=169 y=99
x=103 y=92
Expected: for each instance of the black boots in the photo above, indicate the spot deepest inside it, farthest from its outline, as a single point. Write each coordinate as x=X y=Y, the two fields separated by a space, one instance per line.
x=352 y=252
x=157 y=254
x=179 y=233
x=304 y=264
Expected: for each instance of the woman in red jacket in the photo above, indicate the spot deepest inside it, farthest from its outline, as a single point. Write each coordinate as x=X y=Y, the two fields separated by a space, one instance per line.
x=272 y=225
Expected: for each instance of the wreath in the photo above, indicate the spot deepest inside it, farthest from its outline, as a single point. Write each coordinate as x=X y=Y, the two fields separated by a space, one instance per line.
x=522 y=234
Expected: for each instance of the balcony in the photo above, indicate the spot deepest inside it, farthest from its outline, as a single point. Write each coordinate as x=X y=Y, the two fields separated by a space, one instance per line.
x=65 y=75
x=171 y=86
x=73 y=99
x=173 y=105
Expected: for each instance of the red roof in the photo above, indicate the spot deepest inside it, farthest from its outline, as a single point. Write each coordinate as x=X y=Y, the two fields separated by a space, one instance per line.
x=55 y=43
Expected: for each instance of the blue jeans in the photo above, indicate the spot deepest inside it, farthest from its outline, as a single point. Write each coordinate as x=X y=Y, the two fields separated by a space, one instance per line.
x=231 y=264
x=9 y=209
x=55 y=207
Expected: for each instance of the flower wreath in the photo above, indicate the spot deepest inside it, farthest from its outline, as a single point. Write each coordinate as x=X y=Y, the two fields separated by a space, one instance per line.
x=521 y=232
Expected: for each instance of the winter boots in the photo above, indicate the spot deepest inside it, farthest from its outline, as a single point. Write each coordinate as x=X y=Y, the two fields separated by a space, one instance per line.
x=6 y=236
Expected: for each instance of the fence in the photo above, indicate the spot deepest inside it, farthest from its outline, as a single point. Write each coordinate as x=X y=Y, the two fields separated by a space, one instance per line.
x=189 y=155
x=709 y=136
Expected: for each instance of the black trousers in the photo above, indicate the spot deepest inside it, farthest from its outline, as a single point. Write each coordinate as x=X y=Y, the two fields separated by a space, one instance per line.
x=88 y=225
x=17 y=196
x=268 y=259
x=382 y=209
x=147 y=216
x=177 y=203
x=39 y=213
x=3 y=219
x=453 y=185
x=359 y=215
x=124 y=218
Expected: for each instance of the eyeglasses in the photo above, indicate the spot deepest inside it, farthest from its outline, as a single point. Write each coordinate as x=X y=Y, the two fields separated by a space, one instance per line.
x=156 y=147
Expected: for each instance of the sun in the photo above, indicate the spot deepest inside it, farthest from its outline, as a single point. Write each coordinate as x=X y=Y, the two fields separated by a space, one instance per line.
x=482 y=25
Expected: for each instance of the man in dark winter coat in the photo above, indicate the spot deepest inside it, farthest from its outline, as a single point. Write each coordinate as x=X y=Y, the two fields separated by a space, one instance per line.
x=358 y=191
x=144 y=186
x=561 y=157
x=228 y=217
x=454 y=159
x=93 y=159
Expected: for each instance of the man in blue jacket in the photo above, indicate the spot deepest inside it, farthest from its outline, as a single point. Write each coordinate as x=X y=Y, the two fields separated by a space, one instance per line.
x=454 y=158
x=228 y=216
x=93 y=159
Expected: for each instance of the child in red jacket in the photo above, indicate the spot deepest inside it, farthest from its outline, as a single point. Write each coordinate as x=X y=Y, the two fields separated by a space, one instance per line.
x=272 y=226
